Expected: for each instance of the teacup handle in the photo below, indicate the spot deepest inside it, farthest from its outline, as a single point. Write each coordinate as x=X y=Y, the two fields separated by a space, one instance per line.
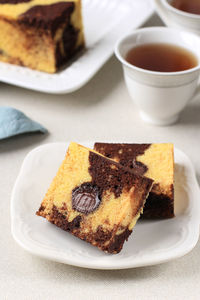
x=161 y=10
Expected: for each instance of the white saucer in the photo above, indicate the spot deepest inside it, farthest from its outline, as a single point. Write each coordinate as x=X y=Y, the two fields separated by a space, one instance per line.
x=152 y=242
x=104 y=22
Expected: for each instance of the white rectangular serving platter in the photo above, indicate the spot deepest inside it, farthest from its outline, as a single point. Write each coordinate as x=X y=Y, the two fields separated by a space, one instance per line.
x=152 y=241
x=104 y=22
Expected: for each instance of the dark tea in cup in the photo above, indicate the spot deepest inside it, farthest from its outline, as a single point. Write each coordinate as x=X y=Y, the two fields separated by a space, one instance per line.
x=160 y=57
x=189 y=6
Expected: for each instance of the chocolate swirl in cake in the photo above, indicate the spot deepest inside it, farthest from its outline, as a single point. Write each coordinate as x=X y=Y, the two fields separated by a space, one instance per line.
x=48 y=16
x=106 y=175
x=125 y=154
x=109 y=175
x=61 y=221
x=13 y=1
x=138 y=167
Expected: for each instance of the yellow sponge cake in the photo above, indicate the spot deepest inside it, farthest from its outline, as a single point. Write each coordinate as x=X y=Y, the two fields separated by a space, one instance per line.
x=40 y=34
x=95 y=199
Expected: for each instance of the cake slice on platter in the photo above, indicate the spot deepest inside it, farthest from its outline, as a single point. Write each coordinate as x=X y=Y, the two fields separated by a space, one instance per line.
x=155 y=161
x=40 y=34
x=95 y=199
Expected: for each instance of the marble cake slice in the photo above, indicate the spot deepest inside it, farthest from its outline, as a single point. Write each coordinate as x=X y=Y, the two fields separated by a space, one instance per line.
x=95 y=199
x=40 y=34
x=155 y=161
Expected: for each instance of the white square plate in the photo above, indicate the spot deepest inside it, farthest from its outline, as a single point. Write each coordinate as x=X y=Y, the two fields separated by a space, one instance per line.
x=152 y=241
x=104 y=22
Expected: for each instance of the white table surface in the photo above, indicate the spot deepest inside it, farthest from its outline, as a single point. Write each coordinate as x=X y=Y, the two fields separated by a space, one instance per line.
x=100 y=110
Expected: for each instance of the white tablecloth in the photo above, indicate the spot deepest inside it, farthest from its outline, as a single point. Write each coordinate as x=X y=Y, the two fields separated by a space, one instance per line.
x=100 y=110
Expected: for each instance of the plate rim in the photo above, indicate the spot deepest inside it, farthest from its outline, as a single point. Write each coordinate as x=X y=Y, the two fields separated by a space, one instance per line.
x=180 y=250
x=15 y=81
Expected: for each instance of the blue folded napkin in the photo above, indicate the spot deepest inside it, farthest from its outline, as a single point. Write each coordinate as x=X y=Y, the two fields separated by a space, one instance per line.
x=14 y=122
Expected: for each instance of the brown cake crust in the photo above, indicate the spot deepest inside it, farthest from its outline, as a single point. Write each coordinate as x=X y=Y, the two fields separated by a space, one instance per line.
x=158 y=204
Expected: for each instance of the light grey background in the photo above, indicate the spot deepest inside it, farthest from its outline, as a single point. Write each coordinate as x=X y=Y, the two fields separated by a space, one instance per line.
x=100 y=110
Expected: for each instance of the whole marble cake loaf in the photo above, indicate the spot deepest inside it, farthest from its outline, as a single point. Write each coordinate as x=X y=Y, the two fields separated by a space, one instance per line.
x=40 y=34
x=95 y=199
x=155 y=161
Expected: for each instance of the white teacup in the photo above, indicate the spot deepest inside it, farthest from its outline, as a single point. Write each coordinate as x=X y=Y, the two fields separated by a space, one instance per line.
x=176 y=18
x=160 y=96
